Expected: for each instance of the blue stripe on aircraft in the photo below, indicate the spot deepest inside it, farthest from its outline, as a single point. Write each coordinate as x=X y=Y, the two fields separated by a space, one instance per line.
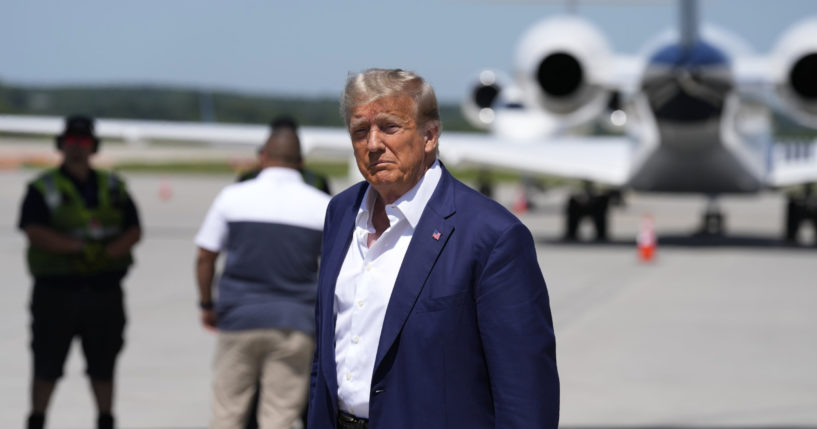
x=698 y=54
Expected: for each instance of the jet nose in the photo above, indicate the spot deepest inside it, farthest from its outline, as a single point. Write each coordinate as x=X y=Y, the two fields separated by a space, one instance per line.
x=687 y=94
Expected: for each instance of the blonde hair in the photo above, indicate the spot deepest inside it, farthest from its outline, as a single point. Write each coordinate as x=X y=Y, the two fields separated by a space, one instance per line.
x=372 y=84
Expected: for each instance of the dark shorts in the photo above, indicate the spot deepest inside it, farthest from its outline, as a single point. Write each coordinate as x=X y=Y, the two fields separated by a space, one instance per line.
x=95 y=314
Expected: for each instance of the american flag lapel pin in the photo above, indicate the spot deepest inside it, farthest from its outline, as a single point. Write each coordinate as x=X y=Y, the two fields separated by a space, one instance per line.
x=436 y=235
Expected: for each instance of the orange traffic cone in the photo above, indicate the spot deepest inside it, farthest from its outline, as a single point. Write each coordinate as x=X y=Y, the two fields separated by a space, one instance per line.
x=646 y=240
x=165 y=190
x=520 y=206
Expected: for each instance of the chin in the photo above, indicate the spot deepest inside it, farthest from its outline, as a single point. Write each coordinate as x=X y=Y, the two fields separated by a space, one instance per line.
x=381 y=177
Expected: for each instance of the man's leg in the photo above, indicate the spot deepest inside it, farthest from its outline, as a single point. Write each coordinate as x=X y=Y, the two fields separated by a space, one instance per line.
x=102 y=331
x=252 y=420
x=285 y=378
x=41 y=391
x=235 y=371
x=103 y=393
x=52 y=330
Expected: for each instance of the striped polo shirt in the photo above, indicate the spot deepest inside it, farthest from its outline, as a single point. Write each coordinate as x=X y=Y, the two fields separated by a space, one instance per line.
x=270 y=230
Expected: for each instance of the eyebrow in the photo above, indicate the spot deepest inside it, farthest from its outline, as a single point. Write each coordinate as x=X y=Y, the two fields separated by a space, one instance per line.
x=388 y=117
x=354 y=123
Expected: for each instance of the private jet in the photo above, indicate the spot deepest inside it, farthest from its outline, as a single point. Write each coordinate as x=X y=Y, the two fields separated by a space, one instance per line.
x=693 y=114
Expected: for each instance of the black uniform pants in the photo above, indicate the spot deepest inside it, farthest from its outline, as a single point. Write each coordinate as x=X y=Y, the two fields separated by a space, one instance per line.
x=62 y=311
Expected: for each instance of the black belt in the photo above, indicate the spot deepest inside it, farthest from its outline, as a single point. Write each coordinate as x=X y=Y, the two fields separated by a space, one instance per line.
x=348 y=421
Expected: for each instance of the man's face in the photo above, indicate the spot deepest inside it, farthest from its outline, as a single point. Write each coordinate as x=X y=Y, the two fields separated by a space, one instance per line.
x=77 y=148
x=392 y=151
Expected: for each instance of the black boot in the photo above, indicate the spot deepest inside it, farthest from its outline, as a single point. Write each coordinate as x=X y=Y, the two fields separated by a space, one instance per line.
x=105 y=421
x=36 y=421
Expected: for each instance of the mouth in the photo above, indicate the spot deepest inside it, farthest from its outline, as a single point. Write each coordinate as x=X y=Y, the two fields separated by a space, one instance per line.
x=374 y=165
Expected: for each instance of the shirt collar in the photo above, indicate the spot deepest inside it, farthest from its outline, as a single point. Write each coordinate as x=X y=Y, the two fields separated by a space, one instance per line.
x=79 y=183
x=409 y=206
x=280 y=173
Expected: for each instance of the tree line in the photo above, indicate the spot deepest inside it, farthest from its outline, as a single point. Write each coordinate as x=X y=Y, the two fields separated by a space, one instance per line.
x=150 y=102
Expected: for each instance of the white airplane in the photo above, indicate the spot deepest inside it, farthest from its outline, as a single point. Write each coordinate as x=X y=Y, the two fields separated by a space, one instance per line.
x=694 y=115
x=131 y=131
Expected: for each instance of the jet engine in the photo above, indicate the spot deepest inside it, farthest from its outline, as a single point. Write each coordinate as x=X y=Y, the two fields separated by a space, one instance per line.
x=796 y=57
x=561 y=65
x=481 y=103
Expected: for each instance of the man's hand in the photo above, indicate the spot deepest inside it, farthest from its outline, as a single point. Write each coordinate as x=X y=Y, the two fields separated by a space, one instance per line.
x=92 y=251
x=46 y=238
x=209 y=319
x=93 y=256
x=123 y=244
x=205 y=271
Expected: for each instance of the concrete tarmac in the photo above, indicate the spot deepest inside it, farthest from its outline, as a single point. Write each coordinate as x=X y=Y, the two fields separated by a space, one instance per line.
x=713 y=333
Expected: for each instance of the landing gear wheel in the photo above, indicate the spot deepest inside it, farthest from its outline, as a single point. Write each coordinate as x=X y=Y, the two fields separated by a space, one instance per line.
x=794 y=217
x=598 y=209
x=573 y=216
x=713 y=224
x=580 y=206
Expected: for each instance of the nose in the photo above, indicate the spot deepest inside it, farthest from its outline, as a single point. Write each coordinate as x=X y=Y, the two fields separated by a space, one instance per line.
x=374 y=142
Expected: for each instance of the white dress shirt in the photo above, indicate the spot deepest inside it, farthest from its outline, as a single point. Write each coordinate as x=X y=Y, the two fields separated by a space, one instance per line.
x=364 y=286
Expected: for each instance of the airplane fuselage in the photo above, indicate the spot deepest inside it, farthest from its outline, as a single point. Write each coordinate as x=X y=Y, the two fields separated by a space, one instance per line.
x=692 y=138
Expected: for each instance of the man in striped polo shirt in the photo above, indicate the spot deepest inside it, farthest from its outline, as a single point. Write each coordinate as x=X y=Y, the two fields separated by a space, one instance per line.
x=270 y=228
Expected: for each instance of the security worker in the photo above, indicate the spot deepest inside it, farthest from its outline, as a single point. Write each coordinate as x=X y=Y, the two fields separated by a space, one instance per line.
x=81 y=225
x=310 y=177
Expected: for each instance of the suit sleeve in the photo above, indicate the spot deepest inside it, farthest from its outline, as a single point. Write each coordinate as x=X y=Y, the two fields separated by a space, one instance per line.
x=313 y=375
x=516 y=328
x=313 y=378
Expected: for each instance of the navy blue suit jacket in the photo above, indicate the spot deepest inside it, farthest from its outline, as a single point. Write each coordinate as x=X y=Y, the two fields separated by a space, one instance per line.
x=467 y=340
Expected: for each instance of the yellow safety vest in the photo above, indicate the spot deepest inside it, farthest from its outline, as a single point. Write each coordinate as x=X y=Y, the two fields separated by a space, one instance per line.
x=70 y=216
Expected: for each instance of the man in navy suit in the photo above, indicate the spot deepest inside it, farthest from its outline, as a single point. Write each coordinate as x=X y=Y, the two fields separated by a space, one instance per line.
x=432 y=311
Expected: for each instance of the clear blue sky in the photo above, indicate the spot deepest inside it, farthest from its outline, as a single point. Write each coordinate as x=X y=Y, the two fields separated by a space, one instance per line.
x=307 y=47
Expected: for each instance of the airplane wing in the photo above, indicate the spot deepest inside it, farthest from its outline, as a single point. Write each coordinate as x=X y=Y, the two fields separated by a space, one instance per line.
x=312 y=138
x=598 y=159
x=757 y=72
x=794 y=163
x=624 y=74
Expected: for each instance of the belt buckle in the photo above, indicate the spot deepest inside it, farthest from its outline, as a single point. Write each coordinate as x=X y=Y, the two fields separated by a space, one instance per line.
x=348 y=418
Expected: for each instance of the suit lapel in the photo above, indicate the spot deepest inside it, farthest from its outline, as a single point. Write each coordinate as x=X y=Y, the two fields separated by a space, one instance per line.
x=428 y=241
x=333 y=261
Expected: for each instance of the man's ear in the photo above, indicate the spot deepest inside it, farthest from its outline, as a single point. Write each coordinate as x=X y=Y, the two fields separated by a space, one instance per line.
x=431 y=135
